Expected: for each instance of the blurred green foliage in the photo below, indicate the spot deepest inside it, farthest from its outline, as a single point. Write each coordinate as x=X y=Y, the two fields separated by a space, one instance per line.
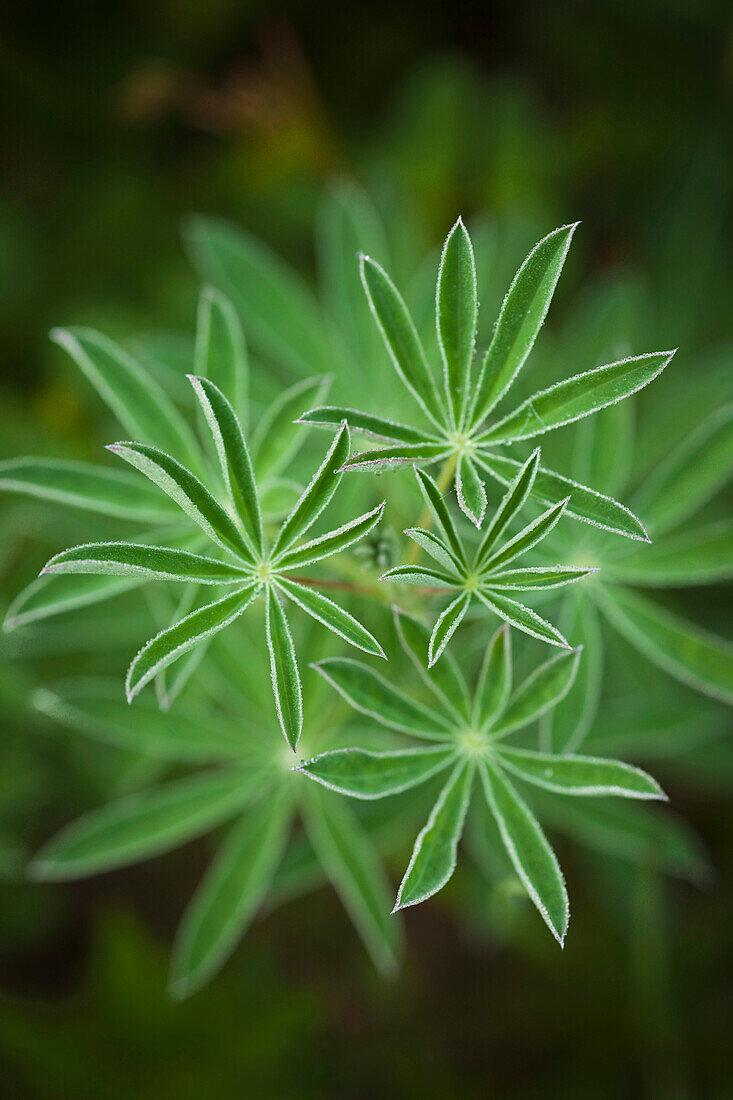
x=117 y=124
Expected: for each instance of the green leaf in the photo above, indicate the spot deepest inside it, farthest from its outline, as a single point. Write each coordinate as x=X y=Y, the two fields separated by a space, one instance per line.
x=435 y=547
x=690 y=475
x=333 y=542
x=456 y=316
x=420 y=574
x=94 y=707
x=576 y=397
x=132 y=559
x=229 y=896
x=234 y=459
x=172 y=643
x=566 y=725
x=524 y=618
x=221 y=350
x=352 y=865
x=145 y=824
x=328 y=613
x=694 y=656
x=284 y=672
x=363 y=774
x=470 y=491
x=48 y=596
x=445 y=680
x=700 y=556
x=525 y=539
x=446 y=626
x=629 y=830
x=524 y=309
x=83 y=485
x=279 y=313
x=188 y=492
x=374 y=696
x=279 y=436
x=277 y=498
x=401 y=454
x=512 y=503
x=551 y=576
x=532 y=857
x=139 y=403
x=347 y=225
x=495 y=679
x=377 y=427
x=579 y=775
x=587 y=505
x=547 y=685
x=439 y=511
x=400 y=336
x=603 y=449
x=436 y=848
x=316 y=495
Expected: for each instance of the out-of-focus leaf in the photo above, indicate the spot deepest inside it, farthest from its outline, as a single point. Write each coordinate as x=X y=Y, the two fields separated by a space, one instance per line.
x=278 y=311
x=703 y=555
x=229 y=896
x=351 y=863
x=278 y=437
x=495 y=679
x=146 y=824
x=564 y=727
x=221 y=350
x=696 y=657
x=139 y=403
x=96 y=707
x=83 y=485
x=690 y=475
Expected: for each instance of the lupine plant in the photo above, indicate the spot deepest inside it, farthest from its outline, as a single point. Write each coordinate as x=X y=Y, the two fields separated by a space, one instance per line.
x=470 y=729
x=234 y=511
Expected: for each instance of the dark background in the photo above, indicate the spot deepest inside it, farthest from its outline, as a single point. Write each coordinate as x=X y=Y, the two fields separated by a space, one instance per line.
x=117 y=120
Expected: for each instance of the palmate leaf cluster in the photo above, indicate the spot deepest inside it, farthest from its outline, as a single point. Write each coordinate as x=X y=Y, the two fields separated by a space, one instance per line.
x=227 y=509
x=469 y=728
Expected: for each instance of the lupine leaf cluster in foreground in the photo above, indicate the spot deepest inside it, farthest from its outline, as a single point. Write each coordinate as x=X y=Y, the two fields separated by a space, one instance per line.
x=233 y=520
